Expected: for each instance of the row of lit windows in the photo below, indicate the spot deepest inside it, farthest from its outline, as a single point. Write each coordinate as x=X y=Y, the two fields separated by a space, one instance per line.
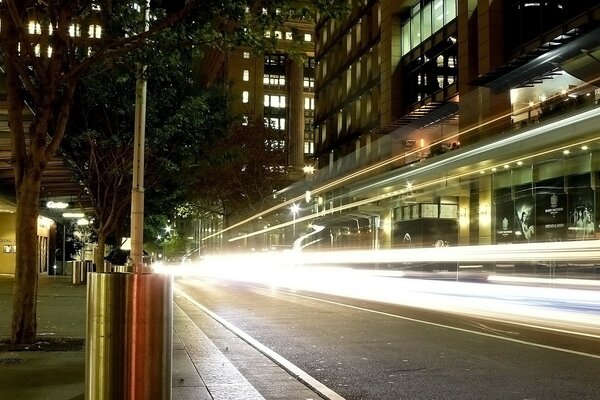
x=274 y=101
x=277 y=79
x=274 y=80
x=307 y=37
x=94 y=31
x=427 y=17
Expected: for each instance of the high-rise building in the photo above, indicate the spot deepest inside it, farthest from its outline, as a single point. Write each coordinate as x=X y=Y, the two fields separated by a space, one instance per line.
x=445 y=122
x=275 y=88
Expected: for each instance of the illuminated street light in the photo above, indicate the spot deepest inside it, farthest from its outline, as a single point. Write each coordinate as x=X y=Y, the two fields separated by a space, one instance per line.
x=308 y=169
x=60 y=205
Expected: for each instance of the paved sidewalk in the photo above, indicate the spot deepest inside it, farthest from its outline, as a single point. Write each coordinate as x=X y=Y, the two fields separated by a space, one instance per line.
x=209 y=361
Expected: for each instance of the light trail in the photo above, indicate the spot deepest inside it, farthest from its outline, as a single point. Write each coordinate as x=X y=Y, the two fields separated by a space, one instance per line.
x=410 y=174
x=511 y=139
x=562 y=309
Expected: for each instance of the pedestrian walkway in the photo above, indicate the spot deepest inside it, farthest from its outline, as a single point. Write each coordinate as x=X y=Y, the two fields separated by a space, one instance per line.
x=209 y=361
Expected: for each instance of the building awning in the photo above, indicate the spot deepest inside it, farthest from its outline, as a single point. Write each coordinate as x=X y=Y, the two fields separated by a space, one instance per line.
x=542 y=61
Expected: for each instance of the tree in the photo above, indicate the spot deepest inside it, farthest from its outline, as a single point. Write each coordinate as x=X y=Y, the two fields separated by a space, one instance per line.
x=47 y=46
x=242 y=171
x=99 y=149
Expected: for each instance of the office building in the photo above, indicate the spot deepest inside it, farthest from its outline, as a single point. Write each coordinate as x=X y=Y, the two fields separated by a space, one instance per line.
x=451 y=122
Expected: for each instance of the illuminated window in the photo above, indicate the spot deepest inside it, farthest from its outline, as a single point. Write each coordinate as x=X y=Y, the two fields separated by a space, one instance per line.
x=75 y=30
x=246 y=54
x=274 y=101
x=34 y=28
x=278 y=35
x=267 y=34
x=309 y=103
x=309 y=82
x=289 y=36
x=246 y=75
x=49 y=51
x=275 y=123
x=307 y=37
x=245 y=96
x=309 y=147
x=95 y=31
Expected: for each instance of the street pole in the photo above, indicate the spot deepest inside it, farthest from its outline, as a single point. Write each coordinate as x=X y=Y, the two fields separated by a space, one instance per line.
x=130 y=316
x=137 y=190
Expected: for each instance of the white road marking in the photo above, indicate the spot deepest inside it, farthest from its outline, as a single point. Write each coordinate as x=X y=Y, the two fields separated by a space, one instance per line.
x=294 y=370
x=579 y=353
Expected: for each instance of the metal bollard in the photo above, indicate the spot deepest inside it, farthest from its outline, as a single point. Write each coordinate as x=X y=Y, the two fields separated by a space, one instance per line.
x=129 y=336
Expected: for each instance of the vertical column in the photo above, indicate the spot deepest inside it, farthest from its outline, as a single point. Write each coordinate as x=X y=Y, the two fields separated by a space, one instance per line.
x=296 y=114
x=480 y=49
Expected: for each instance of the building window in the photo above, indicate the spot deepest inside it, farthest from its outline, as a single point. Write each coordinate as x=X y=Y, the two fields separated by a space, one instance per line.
x=245 y=96
x=246 y=75
x=426 y=19
x=289 y=36
x=267 y=34
x=95 y=31
x=274 y=80
x=309 y=82
x=275 y=123
x=34 y=28
x=309 y=147
x=244 y=120
x=75 y=30
x=278 y=35
x=274 y=101
x=246 y=54
x=309 y=103
x=307 y=37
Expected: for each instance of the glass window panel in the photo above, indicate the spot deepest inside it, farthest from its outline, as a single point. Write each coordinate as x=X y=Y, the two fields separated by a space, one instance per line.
x=406 y=38
x=438 y=15
x=426 y=21
x=274 y=101
x=450 y=10
x=415 y=31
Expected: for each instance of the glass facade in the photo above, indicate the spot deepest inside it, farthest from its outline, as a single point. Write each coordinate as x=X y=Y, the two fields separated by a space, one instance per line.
x=426 y=18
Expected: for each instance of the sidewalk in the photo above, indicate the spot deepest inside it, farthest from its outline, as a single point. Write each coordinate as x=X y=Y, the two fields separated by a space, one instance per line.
x=209 y=362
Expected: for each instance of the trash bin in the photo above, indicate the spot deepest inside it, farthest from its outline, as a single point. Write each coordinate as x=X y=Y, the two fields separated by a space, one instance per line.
x=129 y=336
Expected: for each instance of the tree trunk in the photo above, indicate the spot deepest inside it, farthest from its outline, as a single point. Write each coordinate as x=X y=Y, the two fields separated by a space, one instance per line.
x=24 y=318
x=99 y=256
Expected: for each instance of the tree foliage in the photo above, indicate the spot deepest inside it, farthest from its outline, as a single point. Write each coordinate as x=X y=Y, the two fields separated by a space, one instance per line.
x=48 y=46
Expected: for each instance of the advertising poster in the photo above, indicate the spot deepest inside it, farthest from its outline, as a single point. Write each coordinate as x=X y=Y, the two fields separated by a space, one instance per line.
x=525 y=223
x=581 y=208
x=551 y=210
x=504 y=211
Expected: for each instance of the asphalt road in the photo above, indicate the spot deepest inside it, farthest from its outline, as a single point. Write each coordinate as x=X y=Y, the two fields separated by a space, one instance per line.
x=366 y=350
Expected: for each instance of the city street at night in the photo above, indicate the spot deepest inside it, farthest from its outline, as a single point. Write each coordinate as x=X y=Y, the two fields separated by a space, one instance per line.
x=369 y=350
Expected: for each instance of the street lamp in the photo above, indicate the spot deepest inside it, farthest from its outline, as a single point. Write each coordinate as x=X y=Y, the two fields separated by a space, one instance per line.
x=294 y=209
